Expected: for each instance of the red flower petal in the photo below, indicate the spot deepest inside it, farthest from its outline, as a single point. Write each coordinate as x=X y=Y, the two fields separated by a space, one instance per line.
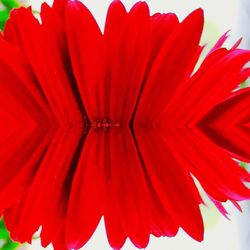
x=227 y=123
x=127 y=212
x=164 y=80
x=86 y=50
x=88 y=193
x=164 y=172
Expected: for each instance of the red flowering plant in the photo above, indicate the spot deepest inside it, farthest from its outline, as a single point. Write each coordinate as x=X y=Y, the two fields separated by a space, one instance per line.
x=117 y=124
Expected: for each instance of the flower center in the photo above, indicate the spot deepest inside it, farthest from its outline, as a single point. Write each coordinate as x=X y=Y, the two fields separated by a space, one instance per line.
x=103 y=124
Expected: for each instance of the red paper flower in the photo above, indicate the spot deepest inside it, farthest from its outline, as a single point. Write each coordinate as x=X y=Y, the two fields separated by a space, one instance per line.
x=117 y=125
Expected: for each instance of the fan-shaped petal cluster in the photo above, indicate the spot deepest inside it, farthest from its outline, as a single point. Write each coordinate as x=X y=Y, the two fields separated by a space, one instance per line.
x=117 y=124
